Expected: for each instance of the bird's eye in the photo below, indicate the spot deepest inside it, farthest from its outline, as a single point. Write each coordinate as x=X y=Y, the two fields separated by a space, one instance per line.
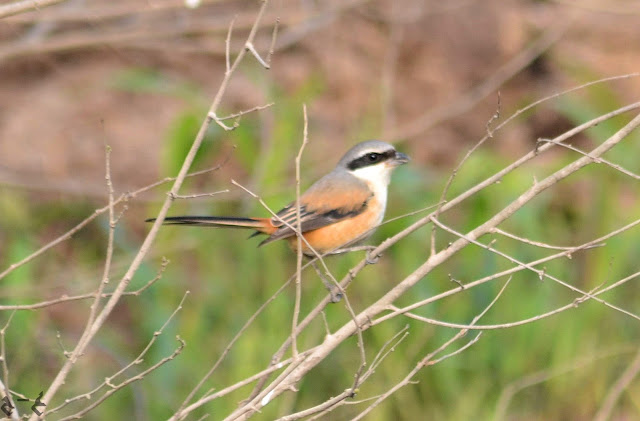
x=373 y=157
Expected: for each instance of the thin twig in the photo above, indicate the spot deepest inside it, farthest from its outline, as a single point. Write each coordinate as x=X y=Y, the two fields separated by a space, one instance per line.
x=504 y=123
x=250 y=110
x=259 y=388
x=213 y=116
x=227 y=45
x=109 y=381
x=599 y=160
x=328 y=273
x=123 y=198
x=535 y=243
x=623 y=382
x=429 y=361
x=249 y=47
x=541 y=273
x=272 y=368
x=4 y=385
x=115 y=388
x=23 y=6
x=6 y=398
x=330 y=343
x=185 y=408
x=296 y=306
x=65 y=299
x=341 y=399
x=198 y=195
x=573 y=304
x=510 y=390
x=494 y=117
x=515 y=269
x=454 y=173
x=110 y=239
x=274 y=35
x=93 y=329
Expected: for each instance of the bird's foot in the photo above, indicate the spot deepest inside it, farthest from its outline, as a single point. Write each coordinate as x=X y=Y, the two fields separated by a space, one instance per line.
x=371 y=258
x=336 y=296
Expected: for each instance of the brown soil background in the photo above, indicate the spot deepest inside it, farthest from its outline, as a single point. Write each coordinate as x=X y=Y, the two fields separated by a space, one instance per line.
x=412 y=59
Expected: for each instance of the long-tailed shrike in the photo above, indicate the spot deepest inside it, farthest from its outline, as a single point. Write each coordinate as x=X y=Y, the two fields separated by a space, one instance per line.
x=339 y=210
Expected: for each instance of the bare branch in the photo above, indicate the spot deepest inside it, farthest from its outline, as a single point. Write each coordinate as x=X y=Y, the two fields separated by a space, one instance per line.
x=518 y=268
x=429 y=361
x=4 y=385
x=333 y=402
x=227 y=44
x=123 y=198
x=249 y=46
x=296 y=306
x=598 y=160
x=250 y=110
x=623 y=382
x=274 y=35
x=5 y=397
x=109 y=381
x=184 y=409
x=541 y=376
x=65 y=298
x=330 y=343
x=535 y=243
x=212 y=115
x=91 y=330
x=22 y=6
x=114 y=388
x=541 y=273
x=210 y=397
x=198 y=195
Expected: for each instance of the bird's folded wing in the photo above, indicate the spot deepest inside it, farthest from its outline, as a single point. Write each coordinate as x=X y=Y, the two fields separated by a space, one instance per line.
x=320 y=206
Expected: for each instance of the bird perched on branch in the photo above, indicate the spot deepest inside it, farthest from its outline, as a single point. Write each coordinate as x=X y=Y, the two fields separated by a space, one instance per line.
x=337 y=211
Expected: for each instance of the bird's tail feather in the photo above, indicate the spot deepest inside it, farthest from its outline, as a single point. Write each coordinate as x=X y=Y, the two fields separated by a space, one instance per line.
x=258 y=224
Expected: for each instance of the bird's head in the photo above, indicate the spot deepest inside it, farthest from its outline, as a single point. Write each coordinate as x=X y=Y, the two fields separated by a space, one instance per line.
x=372 y=161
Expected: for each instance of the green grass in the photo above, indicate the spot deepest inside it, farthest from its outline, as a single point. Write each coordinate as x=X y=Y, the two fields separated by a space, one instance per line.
x=229 y=278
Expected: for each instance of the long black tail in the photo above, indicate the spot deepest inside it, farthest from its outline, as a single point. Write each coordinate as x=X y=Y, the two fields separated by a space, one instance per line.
x=215 y=221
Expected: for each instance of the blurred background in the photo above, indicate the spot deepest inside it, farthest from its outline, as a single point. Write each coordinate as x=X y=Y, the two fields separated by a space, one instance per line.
x=427 y=75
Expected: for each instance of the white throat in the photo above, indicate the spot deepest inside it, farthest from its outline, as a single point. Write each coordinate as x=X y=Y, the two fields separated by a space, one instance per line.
x=377 y=178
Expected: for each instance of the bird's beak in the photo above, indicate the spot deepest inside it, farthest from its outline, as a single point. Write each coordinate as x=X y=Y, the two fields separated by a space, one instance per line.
x=400 y=159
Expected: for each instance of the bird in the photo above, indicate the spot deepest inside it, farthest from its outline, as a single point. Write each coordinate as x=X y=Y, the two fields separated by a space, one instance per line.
x=338 y=211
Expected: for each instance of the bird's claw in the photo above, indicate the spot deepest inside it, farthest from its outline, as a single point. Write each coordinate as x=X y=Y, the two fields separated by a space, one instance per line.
x=336 y=297
x=372 y=259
